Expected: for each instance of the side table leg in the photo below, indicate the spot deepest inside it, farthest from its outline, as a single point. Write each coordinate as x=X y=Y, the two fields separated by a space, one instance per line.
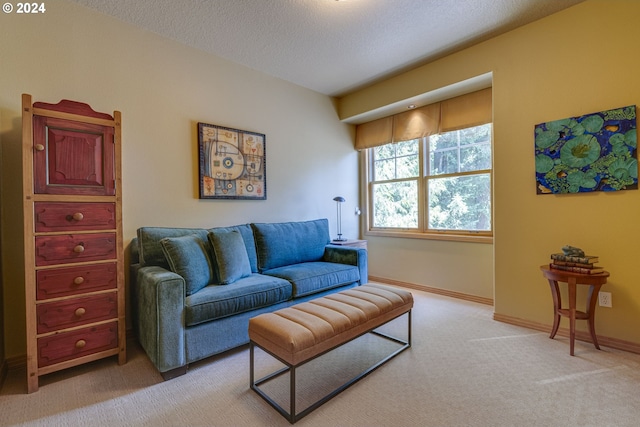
x=592 y=298
x=572 y=313
x=555 y=294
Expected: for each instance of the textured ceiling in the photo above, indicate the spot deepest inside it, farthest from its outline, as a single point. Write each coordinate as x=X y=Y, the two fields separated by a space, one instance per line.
x=330 y=46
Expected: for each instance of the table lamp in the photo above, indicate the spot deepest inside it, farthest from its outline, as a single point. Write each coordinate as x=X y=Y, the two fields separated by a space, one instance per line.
x=339 y=200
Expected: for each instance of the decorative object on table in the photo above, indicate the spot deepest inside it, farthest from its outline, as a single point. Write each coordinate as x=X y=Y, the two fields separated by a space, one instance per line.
x=339 y=200
x=232 y=163
x=574 y=260
x=569 y=250
x=594 y=152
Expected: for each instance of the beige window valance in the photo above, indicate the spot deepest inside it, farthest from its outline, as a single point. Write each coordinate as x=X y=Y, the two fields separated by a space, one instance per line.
x=472 y=109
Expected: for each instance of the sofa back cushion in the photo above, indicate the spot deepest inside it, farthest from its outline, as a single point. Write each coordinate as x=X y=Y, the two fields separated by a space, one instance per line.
x=190 y=257
x=229 y=255
x=150 y=248
x=286 y=243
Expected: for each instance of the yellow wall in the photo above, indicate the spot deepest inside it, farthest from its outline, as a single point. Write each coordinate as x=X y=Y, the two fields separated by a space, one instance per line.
x=163 y=89
x=581 y=60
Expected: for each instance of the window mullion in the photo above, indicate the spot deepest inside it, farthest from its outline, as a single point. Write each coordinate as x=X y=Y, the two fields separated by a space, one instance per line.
x=422 y=195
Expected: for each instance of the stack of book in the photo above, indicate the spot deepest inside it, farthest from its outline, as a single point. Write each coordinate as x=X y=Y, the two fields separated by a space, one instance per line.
x=576 y=264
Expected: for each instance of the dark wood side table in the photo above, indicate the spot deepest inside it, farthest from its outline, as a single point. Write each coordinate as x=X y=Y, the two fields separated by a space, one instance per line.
x=595 y=282
x=354 y=243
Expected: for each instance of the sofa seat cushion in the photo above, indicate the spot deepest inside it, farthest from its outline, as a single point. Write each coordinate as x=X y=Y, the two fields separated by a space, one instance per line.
x=245 y=294
x=311 y=277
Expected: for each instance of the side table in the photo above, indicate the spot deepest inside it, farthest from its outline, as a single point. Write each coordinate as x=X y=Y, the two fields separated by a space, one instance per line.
x=354 y=243
x=595 y=282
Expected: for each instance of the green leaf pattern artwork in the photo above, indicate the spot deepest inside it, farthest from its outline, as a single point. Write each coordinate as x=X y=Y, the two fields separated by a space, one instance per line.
x=594 y=152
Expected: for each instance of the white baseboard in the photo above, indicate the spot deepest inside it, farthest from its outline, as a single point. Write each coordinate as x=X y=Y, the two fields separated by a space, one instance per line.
x=445 y=292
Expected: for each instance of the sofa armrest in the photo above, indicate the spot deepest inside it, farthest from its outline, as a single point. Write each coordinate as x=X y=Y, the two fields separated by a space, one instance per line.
x=160 y=298
x=351 y=256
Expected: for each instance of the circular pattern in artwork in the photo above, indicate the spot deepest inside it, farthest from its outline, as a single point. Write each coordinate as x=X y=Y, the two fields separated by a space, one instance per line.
x=227 y=162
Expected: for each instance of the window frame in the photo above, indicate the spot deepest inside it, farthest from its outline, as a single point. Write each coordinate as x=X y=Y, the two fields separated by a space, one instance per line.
x=422 y=231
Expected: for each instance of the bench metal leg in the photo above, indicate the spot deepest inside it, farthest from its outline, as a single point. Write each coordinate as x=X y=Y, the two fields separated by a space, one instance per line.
x=291 y=416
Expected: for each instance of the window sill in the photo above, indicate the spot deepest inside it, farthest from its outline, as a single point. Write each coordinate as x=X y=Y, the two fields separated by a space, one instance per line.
x=470 y=238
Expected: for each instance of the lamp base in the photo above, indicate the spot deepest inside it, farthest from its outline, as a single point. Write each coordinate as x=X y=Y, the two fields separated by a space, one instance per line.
x=340 y=239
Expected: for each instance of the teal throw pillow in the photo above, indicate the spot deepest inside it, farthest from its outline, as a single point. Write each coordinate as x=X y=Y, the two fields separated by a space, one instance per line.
x=189 y=257
x=229 y=255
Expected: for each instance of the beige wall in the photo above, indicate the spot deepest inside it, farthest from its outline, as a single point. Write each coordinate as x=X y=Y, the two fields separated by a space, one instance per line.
x=578 y=61
x=163 y=89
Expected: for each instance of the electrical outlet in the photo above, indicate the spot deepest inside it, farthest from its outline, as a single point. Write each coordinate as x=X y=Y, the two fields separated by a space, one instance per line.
x=604 y=299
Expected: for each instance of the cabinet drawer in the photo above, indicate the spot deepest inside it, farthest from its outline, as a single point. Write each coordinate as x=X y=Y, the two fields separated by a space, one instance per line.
x=63 y=249
x=76 y=312
x=61 y=282
x=74 y=216
x=71 y=345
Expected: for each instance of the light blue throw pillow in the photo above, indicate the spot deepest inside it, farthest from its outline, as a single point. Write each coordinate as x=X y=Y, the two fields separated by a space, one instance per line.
x=229 y=255
x=189 y=257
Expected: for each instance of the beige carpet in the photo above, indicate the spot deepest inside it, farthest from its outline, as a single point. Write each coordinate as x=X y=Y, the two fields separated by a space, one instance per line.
x=464 y=369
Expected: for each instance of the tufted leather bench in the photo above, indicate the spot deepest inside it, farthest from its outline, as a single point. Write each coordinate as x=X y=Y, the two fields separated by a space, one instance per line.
x=298 y=334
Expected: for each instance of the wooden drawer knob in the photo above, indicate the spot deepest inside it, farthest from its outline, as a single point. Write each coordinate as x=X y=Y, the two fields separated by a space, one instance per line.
x=39 y=147
x=78 y=280
x=80 y=311
x=79 y=248
x=80 y=343
x=77 y=216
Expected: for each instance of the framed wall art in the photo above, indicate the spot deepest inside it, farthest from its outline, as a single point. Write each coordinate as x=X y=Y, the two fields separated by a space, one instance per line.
x=594 y=152
x=232 y=163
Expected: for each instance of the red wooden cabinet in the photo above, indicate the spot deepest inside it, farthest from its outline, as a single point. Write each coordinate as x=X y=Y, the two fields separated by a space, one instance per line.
x=74 y=274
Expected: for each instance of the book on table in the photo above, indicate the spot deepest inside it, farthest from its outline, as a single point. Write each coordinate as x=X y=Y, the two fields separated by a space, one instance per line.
x=587 y=259
x=582 y=270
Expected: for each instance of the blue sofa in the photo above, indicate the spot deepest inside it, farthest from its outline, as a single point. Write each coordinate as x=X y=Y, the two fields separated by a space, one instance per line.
x=194 y=290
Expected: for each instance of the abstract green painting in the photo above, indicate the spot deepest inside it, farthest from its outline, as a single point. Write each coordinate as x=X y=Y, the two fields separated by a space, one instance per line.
x=594 y=152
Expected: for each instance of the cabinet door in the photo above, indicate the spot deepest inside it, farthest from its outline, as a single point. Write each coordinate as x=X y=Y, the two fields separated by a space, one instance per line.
x=72 y=157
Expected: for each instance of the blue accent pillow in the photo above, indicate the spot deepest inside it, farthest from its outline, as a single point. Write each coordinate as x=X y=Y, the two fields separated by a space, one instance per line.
x=229 y=255
x=189 y=257
x=249 y=243
x=151 y=252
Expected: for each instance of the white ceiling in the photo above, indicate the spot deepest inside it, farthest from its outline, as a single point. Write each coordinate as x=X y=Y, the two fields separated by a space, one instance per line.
x=332 y=47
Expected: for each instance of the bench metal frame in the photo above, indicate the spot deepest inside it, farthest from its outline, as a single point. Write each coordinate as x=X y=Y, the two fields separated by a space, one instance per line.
x=291 y=415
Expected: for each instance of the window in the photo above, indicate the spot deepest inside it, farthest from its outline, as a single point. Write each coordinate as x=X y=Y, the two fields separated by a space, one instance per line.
x=453 y=189
x=429 y=169
x=396 y=171
x=458 y=180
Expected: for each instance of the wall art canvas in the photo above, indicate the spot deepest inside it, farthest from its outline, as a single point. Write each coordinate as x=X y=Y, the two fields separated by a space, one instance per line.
x=232 y=163
x=594 y=152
